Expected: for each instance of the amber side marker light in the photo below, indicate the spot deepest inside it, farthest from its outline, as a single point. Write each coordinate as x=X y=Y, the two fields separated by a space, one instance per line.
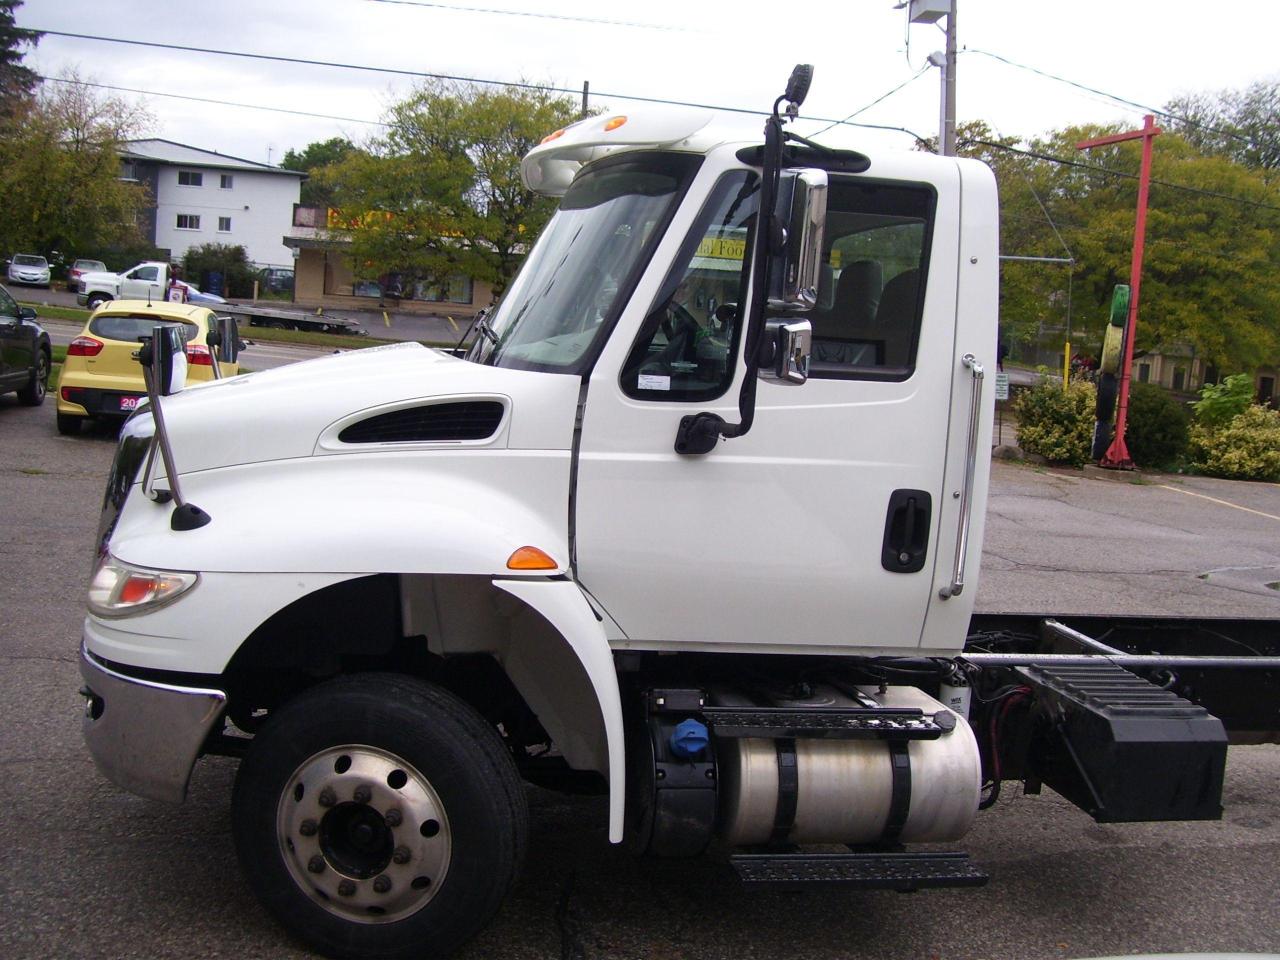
x=552 y=136
x=531 y=558
x=614 y=124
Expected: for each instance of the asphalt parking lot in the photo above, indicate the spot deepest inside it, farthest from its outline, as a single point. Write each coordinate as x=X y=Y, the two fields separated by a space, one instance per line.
x=88 y=871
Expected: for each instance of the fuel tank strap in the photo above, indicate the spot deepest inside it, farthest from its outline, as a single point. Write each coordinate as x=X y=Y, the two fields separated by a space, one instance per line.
x=784 y=815
x=900 y=797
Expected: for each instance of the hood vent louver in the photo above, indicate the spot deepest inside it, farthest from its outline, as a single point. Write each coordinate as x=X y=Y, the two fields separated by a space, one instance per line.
x=437 y=422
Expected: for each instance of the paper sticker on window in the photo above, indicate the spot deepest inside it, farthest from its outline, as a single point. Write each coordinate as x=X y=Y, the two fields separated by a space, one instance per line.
x=653 y=381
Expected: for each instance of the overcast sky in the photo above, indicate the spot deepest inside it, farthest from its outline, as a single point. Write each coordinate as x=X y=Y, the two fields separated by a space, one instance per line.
x=724 y=52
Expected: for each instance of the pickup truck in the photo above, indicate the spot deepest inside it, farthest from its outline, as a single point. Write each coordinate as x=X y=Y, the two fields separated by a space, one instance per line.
x=696 y=522
x=149 y=280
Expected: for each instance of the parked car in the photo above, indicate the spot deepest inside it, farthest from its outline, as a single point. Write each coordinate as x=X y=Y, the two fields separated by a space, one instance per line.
x=102 y=379
x=82 y=266
x=25 y=353
x=30 y=269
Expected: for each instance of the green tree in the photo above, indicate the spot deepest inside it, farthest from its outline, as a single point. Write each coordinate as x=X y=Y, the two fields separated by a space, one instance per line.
x=60 y=172
x=313 y=158
x=17 y=83
x=440 y=193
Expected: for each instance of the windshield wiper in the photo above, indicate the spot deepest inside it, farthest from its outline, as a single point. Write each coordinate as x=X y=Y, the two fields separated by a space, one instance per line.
x=483 y=328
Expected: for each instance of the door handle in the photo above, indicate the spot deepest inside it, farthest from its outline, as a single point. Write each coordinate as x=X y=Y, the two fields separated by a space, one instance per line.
x=954 y=588
x=906 y=531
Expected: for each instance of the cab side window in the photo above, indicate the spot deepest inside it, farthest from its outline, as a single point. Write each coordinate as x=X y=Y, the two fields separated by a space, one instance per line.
x=871 y=297
x=687 y=343
x=8 y=306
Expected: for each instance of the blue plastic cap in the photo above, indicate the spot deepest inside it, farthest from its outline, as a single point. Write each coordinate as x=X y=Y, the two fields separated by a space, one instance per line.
x=689 y=739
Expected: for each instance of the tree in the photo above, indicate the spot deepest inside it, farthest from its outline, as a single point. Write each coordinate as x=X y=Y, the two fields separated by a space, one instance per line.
x=230 y=263
x=440 y=193
x=1212 y=241
x=315 y=157
x=1242 y=125
x=60 y=172
x=17 y=83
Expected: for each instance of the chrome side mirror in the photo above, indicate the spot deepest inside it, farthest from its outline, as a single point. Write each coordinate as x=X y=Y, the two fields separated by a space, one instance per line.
x=796 y=269
x=784 y=354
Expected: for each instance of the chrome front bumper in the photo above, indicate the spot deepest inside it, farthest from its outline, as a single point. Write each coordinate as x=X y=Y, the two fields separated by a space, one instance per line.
x=145 y=736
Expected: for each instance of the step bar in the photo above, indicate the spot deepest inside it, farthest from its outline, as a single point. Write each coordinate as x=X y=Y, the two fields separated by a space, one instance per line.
x=904 y=872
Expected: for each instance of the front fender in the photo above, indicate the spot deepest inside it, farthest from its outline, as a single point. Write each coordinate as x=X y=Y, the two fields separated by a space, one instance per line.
x=562 y=605
x=451 y=512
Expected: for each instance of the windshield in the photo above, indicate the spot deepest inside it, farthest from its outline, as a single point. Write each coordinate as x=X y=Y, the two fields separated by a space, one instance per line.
x=26 y=260
x=576 y=280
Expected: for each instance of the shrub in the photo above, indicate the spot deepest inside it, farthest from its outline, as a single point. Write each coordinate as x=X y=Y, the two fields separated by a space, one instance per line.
x=231 y=262
x=1247 y=448
x=1156 y=430
x=1220 y=403
x=1057 y=424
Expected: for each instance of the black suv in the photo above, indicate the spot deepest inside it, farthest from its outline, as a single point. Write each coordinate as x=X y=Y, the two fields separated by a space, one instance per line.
x=25 y=354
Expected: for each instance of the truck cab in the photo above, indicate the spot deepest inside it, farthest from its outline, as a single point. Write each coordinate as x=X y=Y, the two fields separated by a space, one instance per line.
x=695 y=522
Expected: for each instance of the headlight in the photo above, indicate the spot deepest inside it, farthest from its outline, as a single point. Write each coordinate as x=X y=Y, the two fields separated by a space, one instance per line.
x=119 y=590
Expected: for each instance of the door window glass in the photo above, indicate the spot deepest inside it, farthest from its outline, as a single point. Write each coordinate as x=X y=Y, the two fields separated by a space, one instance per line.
x=687 y=343
x=8 y=306
x=871 y=293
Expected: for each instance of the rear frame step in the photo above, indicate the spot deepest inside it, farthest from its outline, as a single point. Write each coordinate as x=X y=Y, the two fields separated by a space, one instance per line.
x=901 y=871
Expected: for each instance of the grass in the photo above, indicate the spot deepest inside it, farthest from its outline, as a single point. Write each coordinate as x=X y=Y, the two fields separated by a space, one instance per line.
x=261 y=334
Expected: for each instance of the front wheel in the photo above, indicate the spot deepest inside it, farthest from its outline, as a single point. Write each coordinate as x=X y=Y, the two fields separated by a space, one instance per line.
x=96 y=300
x=379 y=816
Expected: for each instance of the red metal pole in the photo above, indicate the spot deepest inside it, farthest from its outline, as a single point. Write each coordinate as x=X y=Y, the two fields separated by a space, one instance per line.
x=1117 y=455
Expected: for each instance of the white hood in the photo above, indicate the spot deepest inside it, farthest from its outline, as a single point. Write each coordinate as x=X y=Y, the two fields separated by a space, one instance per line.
x=283 y=413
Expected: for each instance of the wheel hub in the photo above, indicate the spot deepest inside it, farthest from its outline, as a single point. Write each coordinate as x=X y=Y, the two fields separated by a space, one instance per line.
x=364 y=833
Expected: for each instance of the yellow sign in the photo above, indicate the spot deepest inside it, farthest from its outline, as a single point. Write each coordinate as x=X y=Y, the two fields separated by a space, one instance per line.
x=722 y=248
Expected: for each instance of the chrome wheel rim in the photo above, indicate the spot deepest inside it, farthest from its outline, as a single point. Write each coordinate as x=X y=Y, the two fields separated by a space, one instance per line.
x=42 y=377
x=364 y=834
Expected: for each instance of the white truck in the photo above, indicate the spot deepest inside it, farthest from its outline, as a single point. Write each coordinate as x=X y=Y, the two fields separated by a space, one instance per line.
x=149 y=280
x=695 y=522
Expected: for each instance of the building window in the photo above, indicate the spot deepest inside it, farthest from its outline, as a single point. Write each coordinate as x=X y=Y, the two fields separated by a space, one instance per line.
x=129 y=170
x=190 y=178
x=228 y=181
x=188 y=221
x=457 y=290
x=1144 y=373
x=224 y=224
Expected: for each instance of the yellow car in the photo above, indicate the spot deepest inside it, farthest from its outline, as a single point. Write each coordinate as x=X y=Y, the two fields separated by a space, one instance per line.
x=102 y=378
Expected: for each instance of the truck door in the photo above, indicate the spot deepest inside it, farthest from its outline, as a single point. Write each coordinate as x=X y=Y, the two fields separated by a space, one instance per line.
x=142 y=283
x=819 y=527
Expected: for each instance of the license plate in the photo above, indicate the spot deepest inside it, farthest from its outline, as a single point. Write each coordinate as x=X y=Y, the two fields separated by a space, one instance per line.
x=129 y=403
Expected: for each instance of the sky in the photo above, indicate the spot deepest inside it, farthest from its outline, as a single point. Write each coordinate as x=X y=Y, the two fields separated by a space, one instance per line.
x=731 y=53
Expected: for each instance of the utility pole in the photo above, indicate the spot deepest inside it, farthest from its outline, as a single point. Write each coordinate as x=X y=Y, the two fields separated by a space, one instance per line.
x=586 y=95
x=1117 y=455
x=931 y=11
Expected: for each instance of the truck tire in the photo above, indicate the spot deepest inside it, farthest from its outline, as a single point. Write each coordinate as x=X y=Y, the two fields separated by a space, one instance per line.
x=96 y=300
x=1112 y=350
x=32 y=395
x=379 y=816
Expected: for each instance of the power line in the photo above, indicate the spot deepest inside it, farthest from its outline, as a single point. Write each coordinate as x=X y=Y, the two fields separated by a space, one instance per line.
x=519 y=85
x=1117 y=99
x=879 y=99
x=1124 y=174
x=527 y=13
x=221 y=103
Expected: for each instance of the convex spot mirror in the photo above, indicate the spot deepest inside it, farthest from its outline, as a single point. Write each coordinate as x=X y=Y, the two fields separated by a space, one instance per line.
x=785 y=351
x=164 y=354
x=796 y=261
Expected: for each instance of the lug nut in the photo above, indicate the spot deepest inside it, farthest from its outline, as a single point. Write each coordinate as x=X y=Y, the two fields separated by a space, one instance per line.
x=402 y=855
x=393 y=818
x=382 y=884
x=327 y=797
x=346 y=888
x=363 y=794
x=316 y=864
x=307 y=828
